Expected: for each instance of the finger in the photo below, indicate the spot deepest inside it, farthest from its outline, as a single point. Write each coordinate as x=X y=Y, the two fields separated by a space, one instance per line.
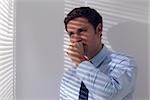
x=75 y=56
x=75 y=59
x=73 y=49
x=73 y=44
x=76 y=47
x=72 y=52
x=79 y=48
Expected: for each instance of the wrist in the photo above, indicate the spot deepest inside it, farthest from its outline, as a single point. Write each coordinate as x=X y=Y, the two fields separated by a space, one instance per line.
x=83 y=58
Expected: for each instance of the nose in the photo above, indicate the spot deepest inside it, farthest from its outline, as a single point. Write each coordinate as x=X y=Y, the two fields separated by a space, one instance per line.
x=75 y=38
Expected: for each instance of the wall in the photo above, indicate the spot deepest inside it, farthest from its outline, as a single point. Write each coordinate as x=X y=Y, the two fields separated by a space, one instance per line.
x=39 y=49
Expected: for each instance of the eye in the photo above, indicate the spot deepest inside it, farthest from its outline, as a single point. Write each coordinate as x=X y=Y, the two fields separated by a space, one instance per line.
x=70 y=33
x=81 y=30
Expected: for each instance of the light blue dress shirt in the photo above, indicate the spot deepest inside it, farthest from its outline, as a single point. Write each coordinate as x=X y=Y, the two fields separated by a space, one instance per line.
x=107 y=76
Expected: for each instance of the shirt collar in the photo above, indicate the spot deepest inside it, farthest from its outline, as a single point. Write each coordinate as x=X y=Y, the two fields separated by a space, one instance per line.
x=99 y=58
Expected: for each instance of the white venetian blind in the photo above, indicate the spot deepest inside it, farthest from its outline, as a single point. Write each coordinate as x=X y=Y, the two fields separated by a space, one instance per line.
x=7 y=50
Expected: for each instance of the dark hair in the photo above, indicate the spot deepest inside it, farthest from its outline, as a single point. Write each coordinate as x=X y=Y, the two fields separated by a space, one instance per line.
x=90 y=14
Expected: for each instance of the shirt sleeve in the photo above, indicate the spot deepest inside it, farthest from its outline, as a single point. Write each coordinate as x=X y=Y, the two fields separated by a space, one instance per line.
x=117 y=83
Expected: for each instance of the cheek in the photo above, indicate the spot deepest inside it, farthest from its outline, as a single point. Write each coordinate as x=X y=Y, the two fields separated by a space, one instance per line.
x=90 y=43
x=88 y=37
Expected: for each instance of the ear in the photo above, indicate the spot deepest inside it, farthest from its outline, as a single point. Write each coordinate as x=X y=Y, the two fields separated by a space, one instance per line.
x=99 y=29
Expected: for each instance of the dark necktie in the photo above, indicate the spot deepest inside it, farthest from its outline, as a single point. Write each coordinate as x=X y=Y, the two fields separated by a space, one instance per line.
x=83 y=94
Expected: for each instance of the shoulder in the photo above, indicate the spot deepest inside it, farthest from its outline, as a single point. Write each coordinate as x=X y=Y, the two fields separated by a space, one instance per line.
x=121 y=61
x=117 y=57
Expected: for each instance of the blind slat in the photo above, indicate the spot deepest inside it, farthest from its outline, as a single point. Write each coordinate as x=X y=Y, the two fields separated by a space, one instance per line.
x=7 y=36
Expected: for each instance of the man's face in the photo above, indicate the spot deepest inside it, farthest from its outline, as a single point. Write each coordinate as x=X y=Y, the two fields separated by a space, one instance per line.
x=80 y=30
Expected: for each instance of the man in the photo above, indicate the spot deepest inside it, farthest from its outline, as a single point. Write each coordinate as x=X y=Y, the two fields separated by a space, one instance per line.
x=98 y=74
